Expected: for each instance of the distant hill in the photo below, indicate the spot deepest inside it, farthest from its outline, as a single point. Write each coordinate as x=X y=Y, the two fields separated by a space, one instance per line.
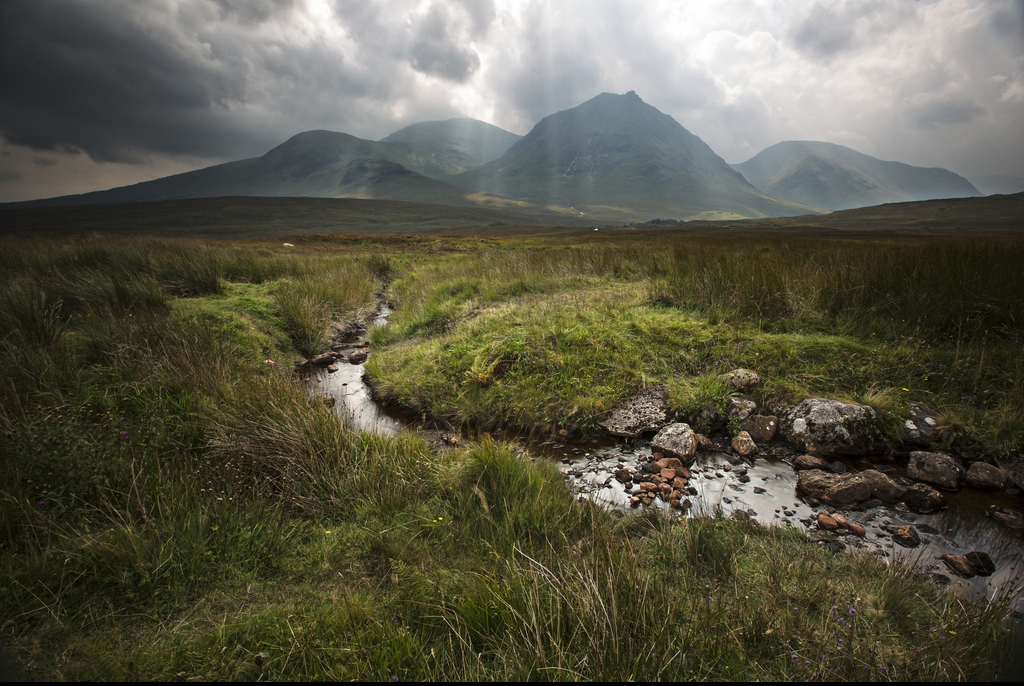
x=440 y=148
x=998 y=184
x=617 y=156
x=326 y=164
x=838 y=178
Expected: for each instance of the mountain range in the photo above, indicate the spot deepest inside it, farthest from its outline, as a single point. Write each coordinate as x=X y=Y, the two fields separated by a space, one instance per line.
x=835 y=177
x=612 y=158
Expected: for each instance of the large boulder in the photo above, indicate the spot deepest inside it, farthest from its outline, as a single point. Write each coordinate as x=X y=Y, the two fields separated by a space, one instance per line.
x=761 y=428
x=834 y=489
x=924 y=499
x=676 y=440
x=921 y=428
x=647 y=411
x=741 y=380
x=740 y=408
x=882 y=487
x=832 y=426
x=937 y=469
x=984 y=475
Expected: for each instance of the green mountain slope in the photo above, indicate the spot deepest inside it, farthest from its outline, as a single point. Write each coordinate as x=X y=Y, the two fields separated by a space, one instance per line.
x=441 y=148
x=320 y=164
x=616 y=156
x=838 y=178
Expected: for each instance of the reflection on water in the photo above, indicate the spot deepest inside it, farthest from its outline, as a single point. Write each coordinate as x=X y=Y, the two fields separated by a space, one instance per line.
x=960 y=529
x=353 y=402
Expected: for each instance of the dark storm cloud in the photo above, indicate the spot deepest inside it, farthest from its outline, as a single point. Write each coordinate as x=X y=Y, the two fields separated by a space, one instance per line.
x=95 y=77
x=253 y=11
x=928 y=111
x=831 y=27
x=436 y=49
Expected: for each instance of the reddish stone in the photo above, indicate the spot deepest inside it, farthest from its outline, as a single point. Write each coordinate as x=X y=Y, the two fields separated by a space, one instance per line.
x=826 y=522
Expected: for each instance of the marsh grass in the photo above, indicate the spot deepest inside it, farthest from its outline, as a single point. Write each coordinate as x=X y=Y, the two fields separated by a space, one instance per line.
x=174 y=505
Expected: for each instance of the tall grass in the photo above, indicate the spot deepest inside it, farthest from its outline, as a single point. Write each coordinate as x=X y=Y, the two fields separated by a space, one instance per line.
x=953 y=288
x=173 y=505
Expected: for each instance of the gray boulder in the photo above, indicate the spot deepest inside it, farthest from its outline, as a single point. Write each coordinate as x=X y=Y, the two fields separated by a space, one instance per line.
x=832 y=426
x=834 y=489
x=741 y=380
x=984 y=475
x=647 y=411
x=740 y=408
x=937 y=469
x=811 y=462
x=924 y=499
x=882 y=487
x=761 y=428
x=676 y=440
x=921 y=428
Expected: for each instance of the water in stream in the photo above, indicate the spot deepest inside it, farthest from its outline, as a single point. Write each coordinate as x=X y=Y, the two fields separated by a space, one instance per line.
x=589 y=467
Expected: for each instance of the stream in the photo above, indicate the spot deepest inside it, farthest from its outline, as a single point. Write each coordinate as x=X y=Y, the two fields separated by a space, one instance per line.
x=589 y=466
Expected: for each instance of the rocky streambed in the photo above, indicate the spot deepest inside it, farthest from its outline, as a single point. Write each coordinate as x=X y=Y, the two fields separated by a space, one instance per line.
x=823 y=467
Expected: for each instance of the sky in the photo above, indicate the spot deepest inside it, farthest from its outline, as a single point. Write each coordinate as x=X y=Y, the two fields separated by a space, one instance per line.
x=102 y=93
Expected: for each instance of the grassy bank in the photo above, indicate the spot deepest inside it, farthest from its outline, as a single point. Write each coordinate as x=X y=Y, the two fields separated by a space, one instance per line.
x=553 y=335
x=175 y=505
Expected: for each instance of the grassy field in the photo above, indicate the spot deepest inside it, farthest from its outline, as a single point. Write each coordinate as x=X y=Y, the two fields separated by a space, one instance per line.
x=175 y=506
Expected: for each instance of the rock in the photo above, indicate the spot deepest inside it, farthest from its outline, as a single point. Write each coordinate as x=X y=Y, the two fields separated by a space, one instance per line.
x=920 y=429
x=647 y=411
x=623 y=475
x=673 y=463
x=1006 y=516
x=665 y=490
x=981 y=562
x=923 y=498
x=321 y=360
x=357 y=357
x=667 y=474
x=332 y=368
x=679 y=483
x=841 y=521
x=959 y=565
x=676 y=440
x=674 y=502
x=740 y=408
x=857 y=530
x=838 y=467
x=827 y=522
x=703 y=442
x=761 y=428
x=1013 y=465
x=937 y=469
x=907 y=537
x=833 y=427
x=984 y=475
x=743 y=444
x=834 y=489
x=882 y=487
x=810 y=462
x=634 y=501
x=741 y=380
x=759 y=490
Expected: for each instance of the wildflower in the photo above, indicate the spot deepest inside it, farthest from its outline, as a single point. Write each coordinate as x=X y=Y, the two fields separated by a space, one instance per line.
x=269 y=362
x=394 y=678
x=123 y=434
x=806 y=662
x=327 y=531
x=853 y=610
x=906 y=389
x=41 y=503
x=89 y=430
x=952 y=633
x=74 y=465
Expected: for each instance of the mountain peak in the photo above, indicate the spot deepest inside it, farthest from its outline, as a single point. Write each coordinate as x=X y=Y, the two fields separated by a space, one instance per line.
x=837 y=177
